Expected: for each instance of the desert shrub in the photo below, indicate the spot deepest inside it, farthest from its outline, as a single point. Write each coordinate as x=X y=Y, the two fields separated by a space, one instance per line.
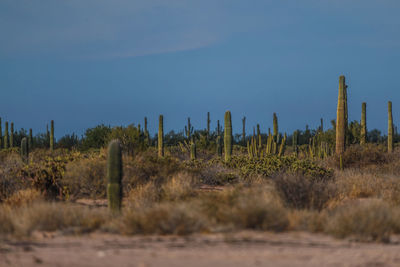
x=307 y=220
x=6 y=226
x=86 y=178
x=357 y=156
x=10 y=165
x=24 y=197
x=271 y=164
x=365 y=220
x=132 y=140
x=303 y=192
x=246 y=208
x=164 y=218
x=96 y=137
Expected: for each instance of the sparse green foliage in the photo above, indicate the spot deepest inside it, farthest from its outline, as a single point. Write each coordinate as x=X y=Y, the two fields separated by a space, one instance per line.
x=228 y=136
x=114 y=176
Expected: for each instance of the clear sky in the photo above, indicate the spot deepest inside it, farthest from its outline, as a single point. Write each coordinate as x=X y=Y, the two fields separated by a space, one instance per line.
x=86 y=62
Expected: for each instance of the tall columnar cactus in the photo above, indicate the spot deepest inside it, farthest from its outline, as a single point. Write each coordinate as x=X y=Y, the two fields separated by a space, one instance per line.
x=244 y=130
x=52 y=136
x=30 y=140
x=228 y=136
x=146 y=132
x=47 y=135
x=363 y=133
x=24 y=150
x=188 y=129
x=208 y=124
x=219 y=146
x=283 y=146
x=390 y=128
x=259 y=140
x=341 y=118
x=114 y=176
x=276 y=131
x=193 y=153
x=218 y=128
x=161 y=136
x=12 y=135
x=1 y=136
x=321 y=127
x=6 y=135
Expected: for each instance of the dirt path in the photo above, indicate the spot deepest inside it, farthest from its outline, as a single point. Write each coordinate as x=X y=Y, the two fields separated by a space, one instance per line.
x=241 y=249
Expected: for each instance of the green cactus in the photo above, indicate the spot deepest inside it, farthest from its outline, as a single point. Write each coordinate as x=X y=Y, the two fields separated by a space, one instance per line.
x=321 y=127
x=1 y=136
x=208 y=124
x=52 y=136
x=219 y=146
x=30 y=140
x=341 y=118
x=276 y=131
x=146 y=132
x=390 y=128
x=363 y=133
x=114 y=176
x=12 y=135
x=193 y=153
x=228 y=136
x=244 y=130
x=283 y=146
x=259 y=139
x=161 y=136
x=24 y=150
x=47 y=135
x=6 y=135
x=188 y=129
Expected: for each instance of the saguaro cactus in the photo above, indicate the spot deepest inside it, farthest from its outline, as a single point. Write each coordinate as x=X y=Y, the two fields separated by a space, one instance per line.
x=244 y=131
x=188 y=129
x=219 y=146
x=12 y=135
x=321 y=127
x=52 y=136
x=218 y=128
x=276 y=131
x=283 y=146
x=24 y=150
x=390 y=128
x=6 y=135
x=30 y=140
x=341 y=118
x=259 y=140
x=228 y=136
x=114 y=176
x=161 y=136
x=363 y=133
x=208 y=124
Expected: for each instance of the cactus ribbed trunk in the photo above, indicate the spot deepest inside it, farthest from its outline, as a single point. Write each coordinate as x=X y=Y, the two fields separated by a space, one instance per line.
x=30 y=140
x=24 y=150
x=322 y=125
x=244 y=131
x=161 y=136
x=228 y=136
x=341 y=118
x=390 y=128
x=114 y=176
x=219 y=146
x=363 y=133
x=208 y=124
x=12 y=135
x=276 y=130
x=259 y=140
x=6 y=135
x=52 y=136
x=283 y=146
x=193 y=154
x=218 y=128
x=188 y=129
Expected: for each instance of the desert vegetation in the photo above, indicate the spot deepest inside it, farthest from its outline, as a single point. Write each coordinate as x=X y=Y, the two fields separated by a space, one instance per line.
x=342 y=181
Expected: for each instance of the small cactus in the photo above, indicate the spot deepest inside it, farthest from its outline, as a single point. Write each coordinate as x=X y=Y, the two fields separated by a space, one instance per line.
x=390 y=128
x=363 y=133
x=114 y=176
x=24 y=150
x=12 y=135
x=160 y=142
x=193 y=154
x=6 y=135
x=228 y=136
x=52 y=136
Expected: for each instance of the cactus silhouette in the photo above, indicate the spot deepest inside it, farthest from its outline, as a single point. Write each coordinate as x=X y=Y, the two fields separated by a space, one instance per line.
x=30 y=140
x=390 y=128
x=276 y=131
x=341 y=117
x=161 y=136
x=259 y=140
x=24 y=150
x=188 y=129
x=321 y=127
x=52 y=136
x=228 y=136
x=219 y=146
x=6 y=135
x=114 y=176
x=363 y=133
x=244 y=131
x=12 y=135
x=283 y=146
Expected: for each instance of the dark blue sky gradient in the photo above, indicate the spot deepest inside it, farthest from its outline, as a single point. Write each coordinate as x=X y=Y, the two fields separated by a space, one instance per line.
x=83 y=63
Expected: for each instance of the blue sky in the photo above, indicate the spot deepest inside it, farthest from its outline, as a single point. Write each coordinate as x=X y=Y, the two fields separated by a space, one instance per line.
x=86 y=62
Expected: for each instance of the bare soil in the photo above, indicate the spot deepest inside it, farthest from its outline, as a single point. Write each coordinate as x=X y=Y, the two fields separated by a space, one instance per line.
x=239 y=249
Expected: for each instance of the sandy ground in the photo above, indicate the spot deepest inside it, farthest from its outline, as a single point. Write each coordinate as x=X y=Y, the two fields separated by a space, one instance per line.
x=240 y=249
